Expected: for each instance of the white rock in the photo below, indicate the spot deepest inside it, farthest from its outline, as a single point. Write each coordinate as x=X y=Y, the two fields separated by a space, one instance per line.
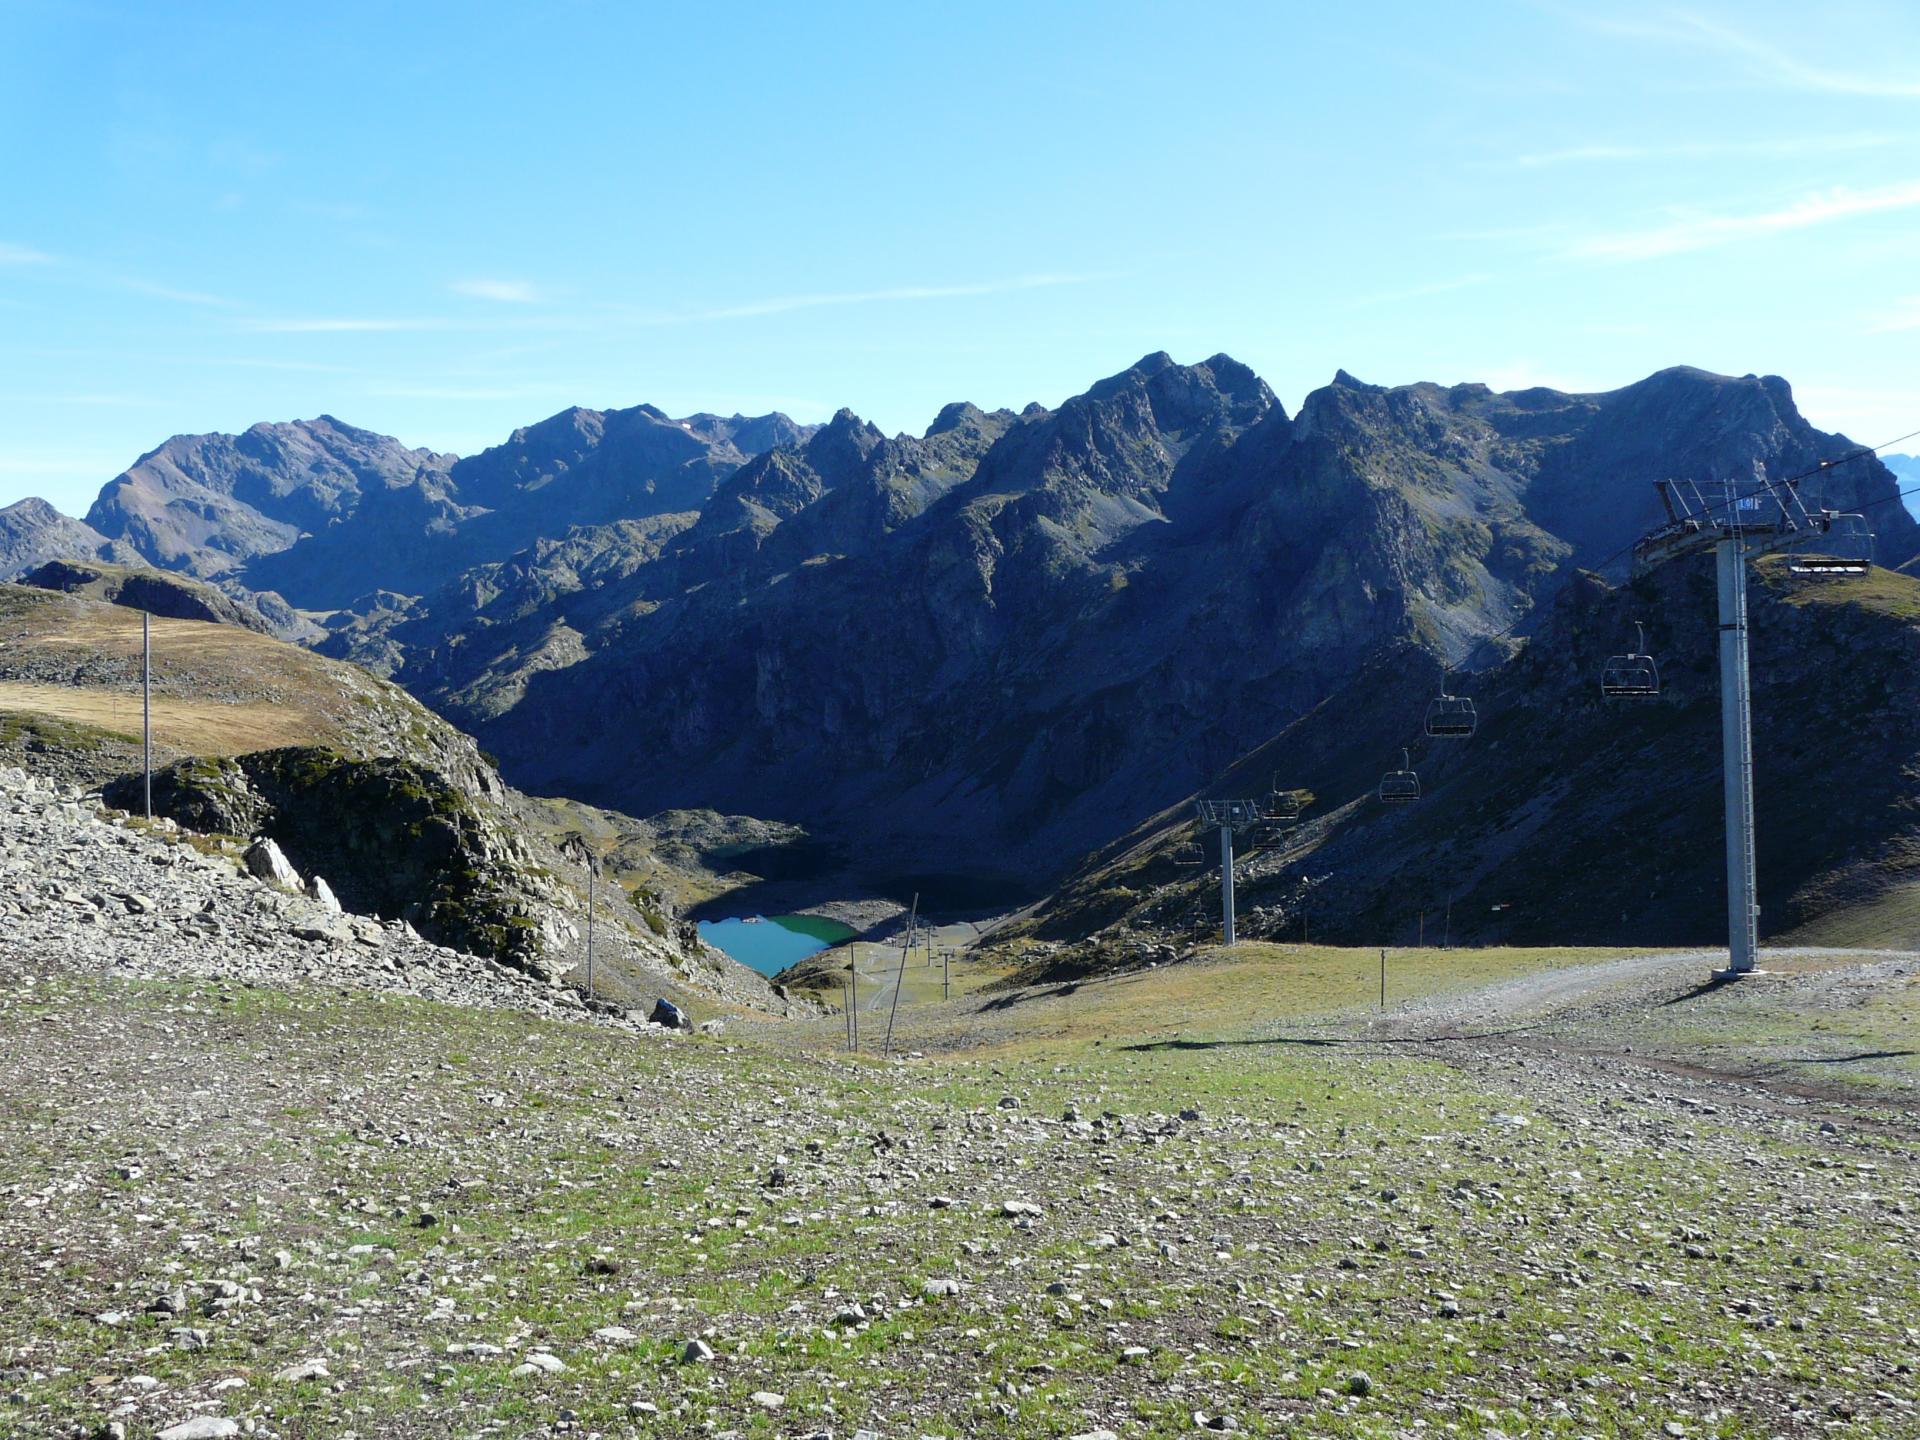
x=266 y=860
x=305 y=1370
x=202 y=1427
x=321 y=892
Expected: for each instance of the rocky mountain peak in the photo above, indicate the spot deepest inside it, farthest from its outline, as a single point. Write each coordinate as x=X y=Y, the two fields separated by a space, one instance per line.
x=32 y=532
x=952 y=416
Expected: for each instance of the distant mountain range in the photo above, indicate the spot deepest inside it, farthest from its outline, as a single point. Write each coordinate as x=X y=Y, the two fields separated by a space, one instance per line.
x=985 y=649
x=1906 y=469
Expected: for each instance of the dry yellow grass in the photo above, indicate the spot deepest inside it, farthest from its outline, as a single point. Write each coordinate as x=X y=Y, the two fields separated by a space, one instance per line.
x=200 y=727
x=217 y=689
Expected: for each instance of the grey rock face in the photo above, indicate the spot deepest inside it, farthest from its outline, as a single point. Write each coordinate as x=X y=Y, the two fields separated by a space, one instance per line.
x=1007 y=661
x=318 y=890
x=32 y=532
x=173 y=596
x=266 y=860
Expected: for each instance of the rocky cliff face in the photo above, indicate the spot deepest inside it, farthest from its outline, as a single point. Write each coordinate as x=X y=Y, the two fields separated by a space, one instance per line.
x=1005 y=641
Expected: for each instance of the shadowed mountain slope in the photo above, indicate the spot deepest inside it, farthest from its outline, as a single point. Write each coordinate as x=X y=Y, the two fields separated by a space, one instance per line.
x=998 y=645
x=1570 y=814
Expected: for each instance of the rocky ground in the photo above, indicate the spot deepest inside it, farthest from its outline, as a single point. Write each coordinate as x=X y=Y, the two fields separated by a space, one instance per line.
x=260 y=1184
x=90 y=891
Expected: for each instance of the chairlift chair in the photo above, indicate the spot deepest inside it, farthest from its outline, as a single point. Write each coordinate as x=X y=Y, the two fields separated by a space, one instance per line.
x=1282 y=805
x=1398 y=787
x=1845 y=548
x=1450 y=717
x=1266 y=834
x=1189 y=854
x=1631 y=677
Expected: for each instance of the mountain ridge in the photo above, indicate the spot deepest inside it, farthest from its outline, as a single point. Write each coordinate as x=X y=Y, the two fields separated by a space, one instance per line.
x=1005 y=640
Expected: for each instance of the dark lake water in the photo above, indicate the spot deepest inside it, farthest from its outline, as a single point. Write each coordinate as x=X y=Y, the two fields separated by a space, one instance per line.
x=771 y=943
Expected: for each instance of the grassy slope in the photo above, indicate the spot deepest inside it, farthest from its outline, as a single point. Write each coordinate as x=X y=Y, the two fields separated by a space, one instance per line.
x=1306 y=1226
x=218 y=689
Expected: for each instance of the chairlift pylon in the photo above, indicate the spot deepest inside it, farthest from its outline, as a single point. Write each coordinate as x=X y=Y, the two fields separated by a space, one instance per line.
x=1631 y=677
x=1844 y=549
x=1450 y=717
x=1398 y=787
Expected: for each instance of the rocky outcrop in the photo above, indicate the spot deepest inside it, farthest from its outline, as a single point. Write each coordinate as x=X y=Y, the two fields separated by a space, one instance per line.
x=392 y=838
x=174 y=596
x=32 y=532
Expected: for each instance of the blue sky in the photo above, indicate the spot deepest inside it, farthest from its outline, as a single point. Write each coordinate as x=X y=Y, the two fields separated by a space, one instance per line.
x=443 y=221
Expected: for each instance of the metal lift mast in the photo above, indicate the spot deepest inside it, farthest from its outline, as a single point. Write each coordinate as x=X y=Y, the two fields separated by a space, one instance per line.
x=1231 y=816
x=1766 y=519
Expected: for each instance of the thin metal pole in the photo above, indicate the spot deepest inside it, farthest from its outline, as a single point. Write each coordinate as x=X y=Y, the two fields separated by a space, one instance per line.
x=592 y=876
x=146 y=706
x=853 y=983
x=1736 y=759
x=1383 y=979
x=1446 y=935
x=1226 y=882
x=900 y=977
x=946 y=974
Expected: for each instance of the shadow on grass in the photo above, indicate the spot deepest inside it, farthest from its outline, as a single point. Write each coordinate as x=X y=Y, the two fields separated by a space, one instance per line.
x=1325 y=1040
x=1849 y=1059
x=1705 y=987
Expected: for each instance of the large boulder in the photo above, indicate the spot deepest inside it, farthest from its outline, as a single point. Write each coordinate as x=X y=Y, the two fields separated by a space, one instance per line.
x=267 y=861
x=666 y=1013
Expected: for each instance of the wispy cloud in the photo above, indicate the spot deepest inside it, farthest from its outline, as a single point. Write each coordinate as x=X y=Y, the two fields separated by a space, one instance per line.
x=506 y=292
x=1759 y=58
x=22 y=255
x=1704 y=232
x=1903 y=315
x=1417 y=292
x=343 y=326
x=1783 y=148
x=462 y=392
x=171 y=293
x=780 y=305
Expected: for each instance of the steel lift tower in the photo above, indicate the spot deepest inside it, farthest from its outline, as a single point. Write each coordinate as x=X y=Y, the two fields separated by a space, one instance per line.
x=1230 y=817
x=1760 y=520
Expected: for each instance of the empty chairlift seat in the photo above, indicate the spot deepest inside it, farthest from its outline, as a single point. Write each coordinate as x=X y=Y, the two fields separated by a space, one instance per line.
x=1843 y=548
x=1631 y=677
x=1450 y=717
x=1282 y=806
x=1398 y=787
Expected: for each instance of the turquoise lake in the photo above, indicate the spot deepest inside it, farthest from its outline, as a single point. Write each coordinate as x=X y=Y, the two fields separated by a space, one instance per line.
x=771 y=943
